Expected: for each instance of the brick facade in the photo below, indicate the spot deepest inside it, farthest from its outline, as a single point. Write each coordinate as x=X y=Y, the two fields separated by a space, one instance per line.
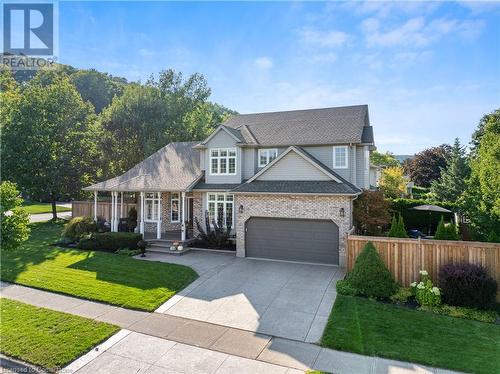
x=166 y=223
x=293 y=206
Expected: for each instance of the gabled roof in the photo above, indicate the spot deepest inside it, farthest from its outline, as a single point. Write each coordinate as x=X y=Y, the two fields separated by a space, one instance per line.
x=235 y=134
x=339 y=125
x=175 y=167
x=337 y=184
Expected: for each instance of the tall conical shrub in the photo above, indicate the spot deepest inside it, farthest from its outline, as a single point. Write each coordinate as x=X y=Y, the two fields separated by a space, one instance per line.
x=370 y=276
x=401 y=228
x=393 y=231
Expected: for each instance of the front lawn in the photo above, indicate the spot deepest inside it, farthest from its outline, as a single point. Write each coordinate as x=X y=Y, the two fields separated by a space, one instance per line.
x=48 y=338
x=106 y=277
x=375 y=329
x=38 y=208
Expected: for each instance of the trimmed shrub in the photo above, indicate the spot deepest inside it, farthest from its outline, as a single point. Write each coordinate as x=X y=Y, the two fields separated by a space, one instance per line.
x=467 y=285
x=344 y=288
x=110 y=241
x=132 y=219
x=78 y=227
x=446 y=231
x=401 y=296
x=370 y=276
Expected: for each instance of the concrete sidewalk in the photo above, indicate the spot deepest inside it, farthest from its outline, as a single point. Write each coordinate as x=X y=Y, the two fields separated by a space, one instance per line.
x=212 y=337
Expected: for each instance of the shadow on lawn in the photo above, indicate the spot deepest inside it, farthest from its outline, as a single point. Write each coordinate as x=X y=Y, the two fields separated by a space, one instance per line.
x=137 y=274
x=34 y=251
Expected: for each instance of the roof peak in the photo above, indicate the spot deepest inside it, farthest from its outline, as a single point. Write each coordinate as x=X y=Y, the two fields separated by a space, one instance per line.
x=304 y=110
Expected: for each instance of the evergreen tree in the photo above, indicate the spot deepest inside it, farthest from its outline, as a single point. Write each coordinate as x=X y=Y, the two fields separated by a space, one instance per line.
x=401 y=228
x=452 y=182
x=393 y=232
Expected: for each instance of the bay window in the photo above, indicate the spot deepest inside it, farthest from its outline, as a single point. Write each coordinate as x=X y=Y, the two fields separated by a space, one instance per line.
x=223 y=161
x=220 y=207
x=266 y=156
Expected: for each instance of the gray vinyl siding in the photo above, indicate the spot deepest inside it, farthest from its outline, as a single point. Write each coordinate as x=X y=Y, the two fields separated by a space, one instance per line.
x=223 y=140
x=360 y=176
x=366 y=166
x=249 y=162
x=202 y=159
x=257 y=167
x=293 y=167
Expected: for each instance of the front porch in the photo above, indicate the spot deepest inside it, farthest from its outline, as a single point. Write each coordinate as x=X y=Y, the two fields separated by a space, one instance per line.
x=166 y=215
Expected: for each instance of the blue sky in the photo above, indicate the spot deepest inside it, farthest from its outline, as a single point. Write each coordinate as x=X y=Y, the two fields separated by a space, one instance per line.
x=427 y=70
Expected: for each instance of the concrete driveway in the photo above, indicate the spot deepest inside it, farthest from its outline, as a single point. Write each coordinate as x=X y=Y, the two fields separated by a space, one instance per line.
x=288 y=300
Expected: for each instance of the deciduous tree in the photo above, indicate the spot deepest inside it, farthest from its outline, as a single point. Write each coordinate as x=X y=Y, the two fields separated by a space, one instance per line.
x=393 y=182
x=426 y=166
x=50 y=142
x=14 y=220
x=371 y=213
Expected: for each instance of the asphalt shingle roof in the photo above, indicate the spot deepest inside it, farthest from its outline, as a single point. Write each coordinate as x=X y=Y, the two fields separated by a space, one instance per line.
x=174 y=167
x=300 y=187
x=340 y=125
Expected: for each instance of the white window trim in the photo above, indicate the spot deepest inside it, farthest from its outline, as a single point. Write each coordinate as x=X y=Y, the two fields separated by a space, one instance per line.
x=156 y=201
x=210 y=158
x=172 y=198
x=346 y=166
x=267 y=150
x=217 y=201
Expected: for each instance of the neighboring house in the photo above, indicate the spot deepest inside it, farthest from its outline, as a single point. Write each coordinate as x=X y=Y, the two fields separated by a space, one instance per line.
x=285 y=181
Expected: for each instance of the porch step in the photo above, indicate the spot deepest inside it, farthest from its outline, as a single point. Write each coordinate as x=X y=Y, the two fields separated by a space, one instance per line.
x=163 y=246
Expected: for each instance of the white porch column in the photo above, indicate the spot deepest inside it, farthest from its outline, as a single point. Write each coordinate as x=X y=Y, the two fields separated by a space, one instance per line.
x=183 y=215
x=115 y=211
x=121 y=205
x=112 y=211
x=158 y=222
x=141 y=225
x=95 y=206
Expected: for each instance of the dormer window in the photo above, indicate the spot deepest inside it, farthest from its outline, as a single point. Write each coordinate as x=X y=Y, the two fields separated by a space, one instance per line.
x=223 y=161
x=266 y=156
x=340 y=157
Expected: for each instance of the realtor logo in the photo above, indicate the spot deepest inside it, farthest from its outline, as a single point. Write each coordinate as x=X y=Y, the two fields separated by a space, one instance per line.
x=28 y=29
x=30 y=34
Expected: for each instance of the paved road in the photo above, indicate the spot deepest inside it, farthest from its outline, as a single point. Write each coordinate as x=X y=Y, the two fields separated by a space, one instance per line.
x=47 y=216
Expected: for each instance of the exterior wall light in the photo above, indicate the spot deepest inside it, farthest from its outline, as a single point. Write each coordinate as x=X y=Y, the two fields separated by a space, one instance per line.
x=240 y=209
x=342 y=212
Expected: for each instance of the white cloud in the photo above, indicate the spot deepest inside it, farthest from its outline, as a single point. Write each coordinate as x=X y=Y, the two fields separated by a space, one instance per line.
x=323 y=58
x=264 y=63
x=417 y=32
x=325 y=39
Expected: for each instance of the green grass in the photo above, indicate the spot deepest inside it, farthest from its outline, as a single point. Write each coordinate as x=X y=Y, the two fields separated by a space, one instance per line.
x=375 y=329
x=106 y=277
x=48 y=338
x=37 y=208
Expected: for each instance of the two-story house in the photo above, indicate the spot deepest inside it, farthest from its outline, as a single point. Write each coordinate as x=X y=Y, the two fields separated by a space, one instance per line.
x=285 y=181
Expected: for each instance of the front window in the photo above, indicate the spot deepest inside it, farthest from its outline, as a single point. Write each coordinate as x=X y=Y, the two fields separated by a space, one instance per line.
x=174 y=207
x=151 y=203
x=223 y=161
x=340 y=158
x=220 y=208
x=266 y=156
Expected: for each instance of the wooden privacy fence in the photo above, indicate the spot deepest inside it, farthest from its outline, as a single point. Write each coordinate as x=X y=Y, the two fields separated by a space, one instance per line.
x=86 y=208
x=406 y=257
